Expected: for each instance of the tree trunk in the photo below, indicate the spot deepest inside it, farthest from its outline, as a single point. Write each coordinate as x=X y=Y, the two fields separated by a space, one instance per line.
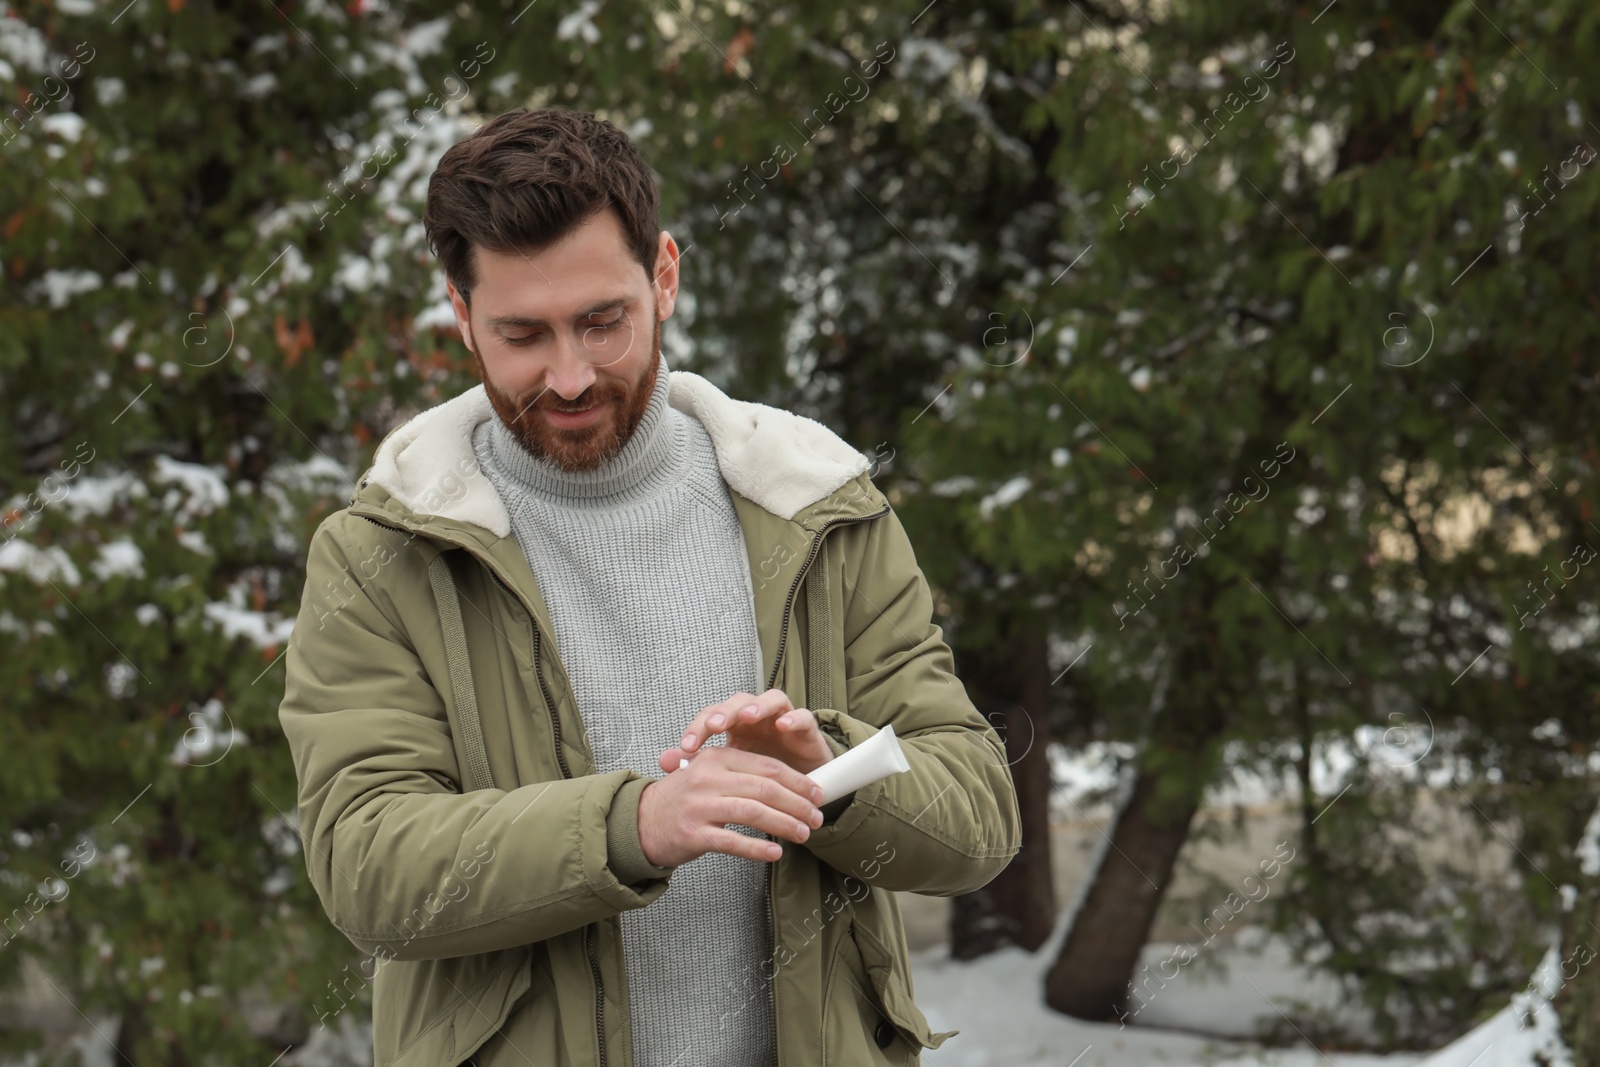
x=1009 y=682
x=1578 y=1003
x=138 y=1045
x=133 y=1036
x=1091 y=977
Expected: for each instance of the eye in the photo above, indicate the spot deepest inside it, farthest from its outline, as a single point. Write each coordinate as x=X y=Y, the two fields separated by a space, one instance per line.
x=521 y=342
x=612 y=325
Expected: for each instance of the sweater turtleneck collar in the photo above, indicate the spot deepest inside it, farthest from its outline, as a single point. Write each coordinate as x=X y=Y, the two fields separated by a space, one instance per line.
x=655 y=457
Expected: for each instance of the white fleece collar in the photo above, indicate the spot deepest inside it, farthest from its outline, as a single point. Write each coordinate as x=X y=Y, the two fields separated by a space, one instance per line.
x=781 y=461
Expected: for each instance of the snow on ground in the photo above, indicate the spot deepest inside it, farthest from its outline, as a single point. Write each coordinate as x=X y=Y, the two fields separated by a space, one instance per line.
x=1240 y=988
x=1503 y=1041
x=1524 y=1033
x=997 y=1003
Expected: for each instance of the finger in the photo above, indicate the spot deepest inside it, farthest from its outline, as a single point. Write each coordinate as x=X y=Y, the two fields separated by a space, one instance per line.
x=775 y=796
x=747 y=811
x=741 y=708
x=712 y=720
x=767 y=767
x=774 y=702
x=733 y=843
x=797 y=721
x=802 y=734
x=673 y=757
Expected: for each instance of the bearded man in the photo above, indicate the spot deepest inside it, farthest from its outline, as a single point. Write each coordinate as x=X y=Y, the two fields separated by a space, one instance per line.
x=595 y=623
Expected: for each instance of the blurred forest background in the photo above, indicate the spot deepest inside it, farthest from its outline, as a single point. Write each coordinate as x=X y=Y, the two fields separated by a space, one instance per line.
x=1233 y=367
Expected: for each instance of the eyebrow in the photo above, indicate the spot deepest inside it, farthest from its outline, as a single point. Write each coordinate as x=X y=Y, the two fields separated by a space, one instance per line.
x=523 y=322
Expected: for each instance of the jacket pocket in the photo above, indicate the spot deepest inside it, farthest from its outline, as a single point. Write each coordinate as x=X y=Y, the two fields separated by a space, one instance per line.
x=889 y=975
x=436 y=1013
x=855 y=1030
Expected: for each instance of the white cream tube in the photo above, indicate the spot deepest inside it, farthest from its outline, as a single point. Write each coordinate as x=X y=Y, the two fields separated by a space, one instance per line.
x=877 y=757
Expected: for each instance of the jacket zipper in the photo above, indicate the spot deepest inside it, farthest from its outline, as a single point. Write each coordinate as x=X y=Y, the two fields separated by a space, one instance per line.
x=590 y=948
x=777 y=667
x=566 y=772
x=788 y=603
x=561 y=759
x=772 y=921
x=538 y=664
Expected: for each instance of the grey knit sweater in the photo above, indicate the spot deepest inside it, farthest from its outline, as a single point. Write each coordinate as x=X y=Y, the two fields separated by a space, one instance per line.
x=643 y=567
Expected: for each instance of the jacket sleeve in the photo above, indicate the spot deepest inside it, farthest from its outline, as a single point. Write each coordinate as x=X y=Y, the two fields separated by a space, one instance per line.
x=952 y=820
x=405 y=864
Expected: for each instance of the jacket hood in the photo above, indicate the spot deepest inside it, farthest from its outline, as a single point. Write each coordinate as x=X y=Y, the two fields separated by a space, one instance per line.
x=781 y=461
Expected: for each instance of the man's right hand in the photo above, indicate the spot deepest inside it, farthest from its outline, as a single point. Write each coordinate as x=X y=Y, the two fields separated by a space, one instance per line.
x=684 y=815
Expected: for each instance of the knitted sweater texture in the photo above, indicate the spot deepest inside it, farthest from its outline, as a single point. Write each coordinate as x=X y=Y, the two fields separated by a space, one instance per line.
x=643 y=568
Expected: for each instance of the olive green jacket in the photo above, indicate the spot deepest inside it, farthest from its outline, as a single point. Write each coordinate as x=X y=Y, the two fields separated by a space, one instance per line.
x=455 y=828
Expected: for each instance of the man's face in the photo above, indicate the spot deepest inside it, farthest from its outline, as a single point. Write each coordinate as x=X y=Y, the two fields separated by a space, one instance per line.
x=567 y=340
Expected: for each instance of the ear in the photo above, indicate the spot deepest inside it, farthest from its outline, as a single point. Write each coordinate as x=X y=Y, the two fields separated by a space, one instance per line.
x=463 y=315
x=666 y=275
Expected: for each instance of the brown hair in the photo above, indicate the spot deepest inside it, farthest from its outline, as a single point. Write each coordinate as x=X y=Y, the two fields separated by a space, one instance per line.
x=526 y=179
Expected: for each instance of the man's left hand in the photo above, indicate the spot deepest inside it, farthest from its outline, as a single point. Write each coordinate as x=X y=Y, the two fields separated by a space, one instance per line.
x=768 y=725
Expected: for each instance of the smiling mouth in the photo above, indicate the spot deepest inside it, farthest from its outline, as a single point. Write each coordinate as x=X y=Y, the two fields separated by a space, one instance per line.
x=581 y=416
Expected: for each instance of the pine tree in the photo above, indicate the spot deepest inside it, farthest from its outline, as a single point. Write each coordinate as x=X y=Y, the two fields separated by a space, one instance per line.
x=960 y=235
x=226 y=204
x=215 y=300
x=1303 y=316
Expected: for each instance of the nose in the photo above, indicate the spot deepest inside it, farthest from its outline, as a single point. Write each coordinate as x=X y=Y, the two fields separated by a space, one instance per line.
x=570 y=373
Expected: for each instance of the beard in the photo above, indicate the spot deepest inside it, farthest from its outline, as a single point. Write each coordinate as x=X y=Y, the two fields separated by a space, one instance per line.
x=586 y=448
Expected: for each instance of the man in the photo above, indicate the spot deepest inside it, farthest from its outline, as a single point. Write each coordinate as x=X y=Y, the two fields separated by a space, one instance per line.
x=563 y=664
